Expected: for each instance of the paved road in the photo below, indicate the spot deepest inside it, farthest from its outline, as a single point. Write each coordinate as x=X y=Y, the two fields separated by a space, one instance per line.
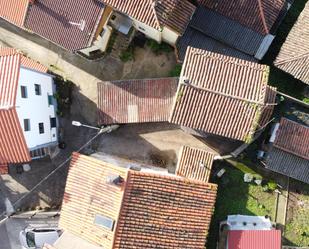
x=9 y=230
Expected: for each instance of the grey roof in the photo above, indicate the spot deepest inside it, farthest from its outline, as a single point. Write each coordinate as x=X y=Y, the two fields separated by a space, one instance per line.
x=197 y=39
x=288 y=164
x=227 y=31
x=211 y=31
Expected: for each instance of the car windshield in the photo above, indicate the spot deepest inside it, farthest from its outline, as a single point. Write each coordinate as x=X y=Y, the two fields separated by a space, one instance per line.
x=30 y=239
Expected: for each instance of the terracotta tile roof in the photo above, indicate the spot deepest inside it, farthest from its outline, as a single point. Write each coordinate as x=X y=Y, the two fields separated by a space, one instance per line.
x=25 y=61
x=133 y=101
x=148 y=209
x=293 y=138
x=155 y=13
x=164 y=211
x=14 y=11
x=9 y=68
x=259 y=15
x=55 y=20
x=293 y=57
x=88 y=193
x=222 y=95
x=254 y=239
x=195 y=163
x=13 y=148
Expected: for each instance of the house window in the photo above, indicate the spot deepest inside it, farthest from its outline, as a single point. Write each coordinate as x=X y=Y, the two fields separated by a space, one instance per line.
x=24 y=93
x=141 y=28
x=37 y=89
x=50 y=99
x=53 y=123
x=41 y=128
x=26 y=124
x=104 y=221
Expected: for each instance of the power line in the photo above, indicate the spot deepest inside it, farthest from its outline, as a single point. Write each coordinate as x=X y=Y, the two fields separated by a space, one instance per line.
x=107 y=129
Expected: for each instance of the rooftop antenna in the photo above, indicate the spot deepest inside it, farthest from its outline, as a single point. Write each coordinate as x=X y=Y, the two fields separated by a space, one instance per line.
x=80 y=25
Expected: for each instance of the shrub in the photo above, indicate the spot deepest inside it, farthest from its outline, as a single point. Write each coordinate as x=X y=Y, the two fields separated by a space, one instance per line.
x=272 y=186
x=127 y=55
x=159 y=48
x=176 y=71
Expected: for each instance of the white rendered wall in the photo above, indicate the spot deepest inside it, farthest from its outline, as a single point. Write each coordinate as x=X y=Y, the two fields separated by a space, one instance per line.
x=148 y=31
x=169 y=36
x=36 y=107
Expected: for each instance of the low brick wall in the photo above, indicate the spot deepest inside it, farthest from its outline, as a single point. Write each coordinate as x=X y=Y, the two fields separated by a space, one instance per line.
x=4 y=169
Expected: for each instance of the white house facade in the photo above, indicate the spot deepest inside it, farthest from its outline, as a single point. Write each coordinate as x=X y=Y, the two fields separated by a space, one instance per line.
x=36 y=109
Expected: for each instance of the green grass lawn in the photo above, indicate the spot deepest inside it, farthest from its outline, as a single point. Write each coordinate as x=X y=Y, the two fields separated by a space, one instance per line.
x=297 y=226
x=283 y=81
x=237 y=197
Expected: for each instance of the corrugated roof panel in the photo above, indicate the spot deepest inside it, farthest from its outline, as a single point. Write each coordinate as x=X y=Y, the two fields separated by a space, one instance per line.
x=288 y=164
x=258 y=15
x=136 y=101
x=196 y=39
x=227 y=31
x=254 y=239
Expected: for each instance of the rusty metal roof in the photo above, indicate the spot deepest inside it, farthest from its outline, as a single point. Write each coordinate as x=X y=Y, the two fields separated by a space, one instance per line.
x=293 y=138
x=195 y=163
x=135 y=101
x=157 y=14
x=70 y=24
x=293 y=57
x=14 y=11
x=259 y=15
x=221 y=95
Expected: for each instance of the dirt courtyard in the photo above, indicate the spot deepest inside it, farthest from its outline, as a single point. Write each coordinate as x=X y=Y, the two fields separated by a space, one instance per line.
x=157 y=144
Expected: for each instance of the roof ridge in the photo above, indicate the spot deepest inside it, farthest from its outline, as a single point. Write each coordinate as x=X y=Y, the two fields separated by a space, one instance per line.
x=146 y=79
x=224 y=94
x=292 y=59
x=261 y=12
x=228 y=59
x=153 y=8
x=173 y=177
x=290 y=152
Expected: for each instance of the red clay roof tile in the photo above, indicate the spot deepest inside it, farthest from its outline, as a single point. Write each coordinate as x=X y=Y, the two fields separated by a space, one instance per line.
x=14 y=11
x=195 y=163
x=222 y=95
x=157 y=14
x=134 y=101
x=149 y=208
